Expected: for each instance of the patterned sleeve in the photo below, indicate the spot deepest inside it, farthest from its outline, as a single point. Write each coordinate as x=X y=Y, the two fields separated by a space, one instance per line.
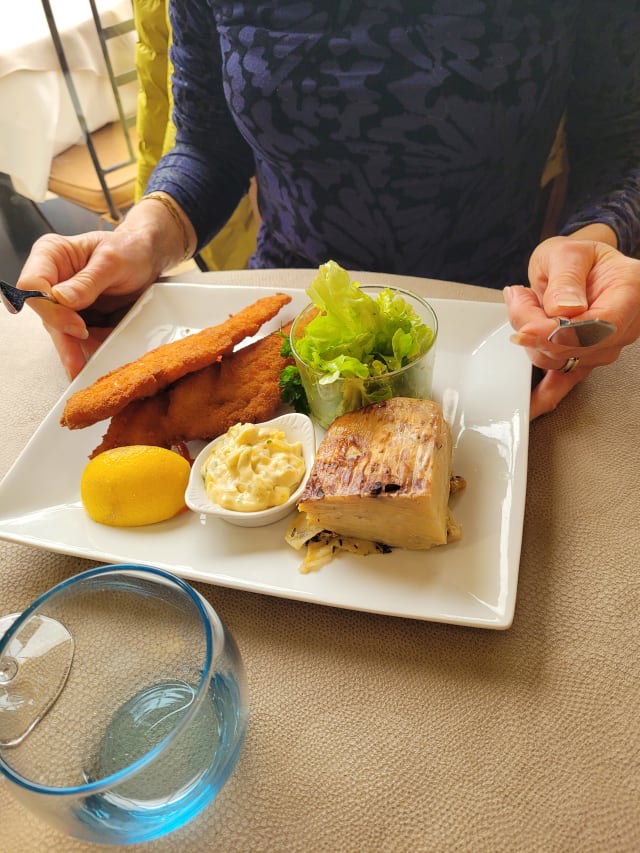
x=603 y=122
x=209 y=168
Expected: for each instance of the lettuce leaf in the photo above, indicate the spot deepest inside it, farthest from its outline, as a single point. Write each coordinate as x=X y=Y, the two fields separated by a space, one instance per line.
x=356 y=336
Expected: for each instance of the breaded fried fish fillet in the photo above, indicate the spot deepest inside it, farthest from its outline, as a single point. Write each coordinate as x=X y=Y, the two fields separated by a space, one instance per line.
x=141 y=422
x=158 y=368
x=242 y=387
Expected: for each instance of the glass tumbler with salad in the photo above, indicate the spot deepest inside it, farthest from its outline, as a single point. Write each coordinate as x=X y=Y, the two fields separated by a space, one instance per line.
x=355 y=344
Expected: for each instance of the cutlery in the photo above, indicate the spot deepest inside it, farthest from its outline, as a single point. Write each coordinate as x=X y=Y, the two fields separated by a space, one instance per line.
x=582 y=333
x=14 y=299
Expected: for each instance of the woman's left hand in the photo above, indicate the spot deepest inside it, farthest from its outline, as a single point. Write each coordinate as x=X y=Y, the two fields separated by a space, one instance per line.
x=580 y=278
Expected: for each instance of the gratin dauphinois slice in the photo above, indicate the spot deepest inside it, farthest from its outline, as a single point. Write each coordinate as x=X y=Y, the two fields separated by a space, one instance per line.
x=383 y=473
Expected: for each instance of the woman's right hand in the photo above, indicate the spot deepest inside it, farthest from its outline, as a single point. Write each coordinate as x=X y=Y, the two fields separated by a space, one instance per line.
x=95 y=277
x=102 y=269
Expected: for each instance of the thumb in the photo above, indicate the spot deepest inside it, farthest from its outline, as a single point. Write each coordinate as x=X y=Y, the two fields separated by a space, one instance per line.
x=559 y=276
x=81 y=290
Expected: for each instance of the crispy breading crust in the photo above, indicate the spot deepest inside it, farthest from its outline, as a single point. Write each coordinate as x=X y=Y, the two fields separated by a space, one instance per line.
x=241 y=388
x=164 y=365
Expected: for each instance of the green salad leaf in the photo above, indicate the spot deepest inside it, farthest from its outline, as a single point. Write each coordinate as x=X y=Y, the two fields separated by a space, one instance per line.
x=355 y=335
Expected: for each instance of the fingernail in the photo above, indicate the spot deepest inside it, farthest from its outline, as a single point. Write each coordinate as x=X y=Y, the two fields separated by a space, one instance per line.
x=507 y=293
x=80 y=332
x=522 y=340
x=570 y=300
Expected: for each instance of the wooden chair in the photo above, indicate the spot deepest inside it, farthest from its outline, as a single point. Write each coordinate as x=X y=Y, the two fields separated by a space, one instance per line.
x=98 y=173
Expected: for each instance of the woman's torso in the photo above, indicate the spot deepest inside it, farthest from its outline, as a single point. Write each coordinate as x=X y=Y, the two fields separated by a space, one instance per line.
x=401 y=137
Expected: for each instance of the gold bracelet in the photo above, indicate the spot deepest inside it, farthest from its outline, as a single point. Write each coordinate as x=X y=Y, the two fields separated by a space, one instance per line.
x=167 y=202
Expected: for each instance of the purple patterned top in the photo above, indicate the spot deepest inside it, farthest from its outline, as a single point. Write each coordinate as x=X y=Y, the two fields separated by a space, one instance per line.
x=405 y=137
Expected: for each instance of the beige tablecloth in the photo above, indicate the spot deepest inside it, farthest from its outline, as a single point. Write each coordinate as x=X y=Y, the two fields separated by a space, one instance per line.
x=376 y=733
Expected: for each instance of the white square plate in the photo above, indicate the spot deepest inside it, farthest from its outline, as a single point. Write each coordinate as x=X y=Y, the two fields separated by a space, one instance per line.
x=483 y=384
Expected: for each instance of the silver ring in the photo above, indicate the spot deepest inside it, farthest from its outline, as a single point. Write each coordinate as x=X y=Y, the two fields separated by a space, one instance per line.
x=570 y=364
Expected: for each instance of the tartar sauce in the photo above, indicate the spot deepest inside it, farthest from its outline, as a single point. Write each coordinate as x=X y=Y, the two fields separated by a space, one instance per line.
x=252 y=468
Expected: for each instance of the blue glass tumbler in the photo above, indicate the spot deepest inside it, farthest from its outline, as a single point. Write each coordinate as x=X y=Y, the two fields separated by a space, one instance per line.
x=123 y=704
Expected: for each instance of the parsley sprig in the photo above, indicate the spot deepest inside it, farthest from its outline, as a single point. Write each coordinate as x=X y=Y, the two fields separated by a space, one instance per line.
x=290 y=383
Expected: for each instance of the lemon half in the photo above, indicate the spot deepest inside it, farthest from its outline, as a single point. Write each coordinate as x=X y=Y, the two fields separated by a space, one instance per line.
x=134 y=485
